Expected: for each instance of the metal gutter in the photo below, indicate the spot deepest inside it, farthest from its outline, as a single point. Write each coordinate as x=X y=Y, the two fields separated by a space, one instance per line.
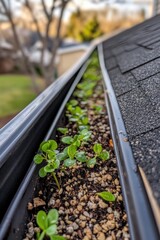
x=141 y=220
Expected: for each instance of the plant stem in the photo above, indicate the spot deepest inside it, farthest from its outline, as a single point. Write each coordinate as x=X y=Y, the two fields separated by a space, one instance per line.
x=56 y=180
x=42 y=236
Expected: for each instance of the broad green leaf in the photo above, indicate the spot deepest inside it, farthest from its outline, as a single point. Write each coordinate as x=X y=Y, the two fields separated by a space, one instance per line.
x=40 y=147
x=52 y=217
x=91 y=162
x=52 y=144
x=49 y=168
x=42 y=173
x=72 y=151
x=69 y=162
x=45 y=146
x=84 y=132
x=83 y=127
x=107 y=196
x=75 y=119
x=65 y=150
x=67 y=140
x=38 y=159
x=78 y=110
x=73 y=102
x=56 y=164
x=80 y=156
x=85 y=120
x=61 y=156
x=97 y=148
x=51 y=230
x=104 y=155
x=63 y=130
x=50 y=154
x=57 y=237
x=77 y=143
x=41 y=220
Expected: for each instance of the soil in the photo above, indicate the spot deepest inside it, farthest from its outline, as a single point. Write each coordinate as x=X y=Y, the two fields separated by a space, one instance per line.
x=82 y=213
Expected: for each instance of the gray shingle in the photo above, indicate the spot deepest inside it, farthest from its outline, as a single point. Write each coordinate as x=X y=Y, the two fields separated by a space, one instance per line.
x=111 y=63
x=137 y=57
x=138 y=113
x=147 y=70
x=121 y=83
x=151 y=87
x=146 y=149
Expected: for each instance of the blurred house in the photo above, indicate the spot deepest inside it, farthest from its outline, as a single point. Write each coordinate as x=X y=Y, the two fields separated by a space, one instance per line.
x=67 y=56
x=6 y=63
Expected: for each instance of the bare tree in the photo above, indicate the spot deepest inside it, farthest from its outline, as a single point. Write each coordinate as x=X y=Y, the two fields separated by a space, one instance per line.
x=48 y=71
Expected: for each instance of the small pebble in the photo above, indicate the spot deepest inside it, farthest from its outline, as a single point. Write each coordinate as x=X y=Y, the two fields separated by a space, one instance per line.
x=101 y=236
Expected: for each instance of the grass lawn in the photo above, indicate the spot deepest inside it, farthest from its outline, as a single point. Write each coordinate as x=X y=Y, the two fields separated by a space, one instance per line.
x=15 y=94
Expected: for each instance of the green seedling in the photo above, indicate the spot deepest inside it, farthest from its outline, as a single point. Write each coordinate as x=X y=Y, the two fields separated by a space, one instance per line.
x=63 y=130
x=48 y=154
x=98 y=108
x=107 y=196
x=76 y=114
x=79 y=139
x=99 y=153
x=48 y=224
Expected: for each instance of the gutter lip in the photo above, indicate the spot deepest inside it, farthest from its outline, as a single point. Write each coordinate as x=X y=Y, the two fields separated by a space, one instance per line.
x=142 y=224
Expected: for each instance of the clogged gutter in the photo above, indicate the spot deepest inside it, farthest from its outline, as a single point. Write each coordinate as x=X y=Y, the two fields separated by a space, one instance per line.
x=83 y=214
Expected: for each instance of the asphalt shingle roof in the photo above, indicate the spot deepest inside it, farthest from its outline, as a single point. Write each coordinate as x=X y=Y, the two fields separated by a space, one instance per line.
x=132 y=59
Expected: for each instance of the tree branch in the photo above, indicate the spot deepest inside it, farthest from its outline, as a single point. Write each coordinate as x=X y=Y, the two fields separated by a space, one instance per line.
x=26 y=63
x=27 y=4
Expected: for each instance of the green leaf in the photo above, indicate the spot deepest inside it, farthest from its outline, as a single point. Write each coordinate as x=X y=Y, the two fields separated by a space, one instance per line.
x=56 y=164
x=42 y=173
x=51 y=230
x=45 y=146
x=50 y=154
x=49 y=168
x=52 y=217
x=73 y=102
x=69 y=162
x=85 y=120
x=104 y=155
x=91 y=162
x=63 y=130
x=72 y=149
x=97 y=148
x=78 y=110
x=107 y=196
x=65 y=150
x=41 y=220
x=67 y=140
x=98 y=108
x=84 y=132
x=57 y=237
x=40 y=147
x=52 y=144
x=38 y=159
x=80 y=156
x=75 y=119
x=62 y=156
x=77 y=143
x=83 y=127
